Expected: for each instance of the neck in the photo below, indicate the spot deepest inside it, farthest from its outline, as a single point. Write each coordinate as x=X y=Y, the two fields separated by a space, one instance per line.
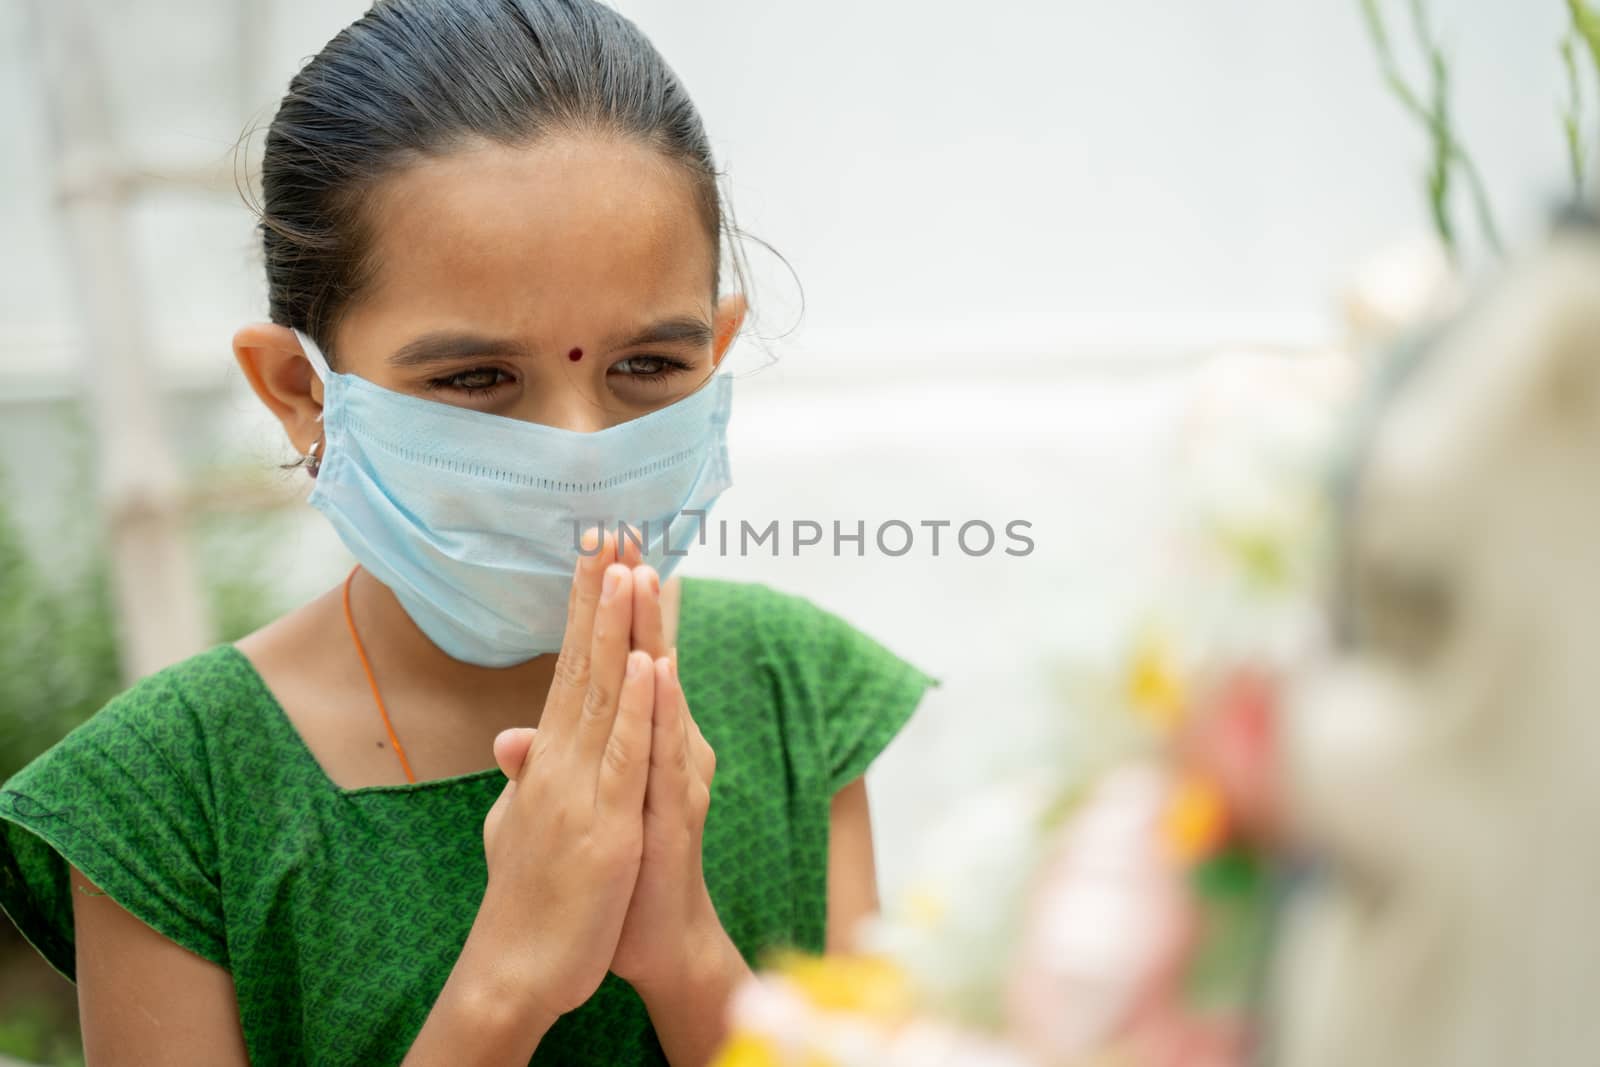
x=409 y=662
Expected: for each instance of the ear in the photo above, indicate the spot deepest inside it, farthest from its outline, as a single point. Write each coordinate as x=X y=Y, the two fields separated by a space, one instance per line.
x=730 y=316
x=281 y=376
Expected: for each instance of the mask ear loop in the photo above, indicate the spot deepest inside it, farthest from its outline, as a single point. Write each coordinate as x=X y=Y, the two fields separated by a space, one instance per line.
x=319 y=364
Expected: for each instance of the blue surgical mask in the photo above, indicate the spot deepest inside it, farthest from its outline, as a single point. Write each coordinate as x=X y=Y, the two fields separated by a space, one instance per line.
x=474 y=520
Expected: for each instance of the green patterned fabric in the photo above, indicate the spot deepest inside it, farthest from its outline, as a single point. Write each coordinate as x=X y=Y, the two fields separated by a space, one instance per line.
x=194 y=803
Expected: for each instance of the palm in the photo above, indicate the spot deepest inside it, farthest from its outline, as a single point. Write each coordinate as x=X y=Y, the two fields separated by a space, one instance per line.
x=669 y=891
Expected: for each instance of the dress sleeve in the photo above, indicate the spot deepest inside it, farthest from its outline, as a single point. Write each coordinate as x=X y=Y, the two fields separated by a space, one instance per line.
x=124 y=798
x=864 y=692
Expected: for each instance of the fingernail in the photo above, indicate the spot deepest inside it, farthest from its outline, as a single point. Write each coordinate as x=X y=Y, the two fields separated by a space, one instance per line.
x=637 y=661
x=609 y=586
x=674 y=662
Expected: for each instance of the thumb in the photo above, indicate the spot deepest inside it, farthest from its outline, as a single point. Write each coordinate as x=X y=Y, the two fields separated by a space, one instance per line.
x=511 y=749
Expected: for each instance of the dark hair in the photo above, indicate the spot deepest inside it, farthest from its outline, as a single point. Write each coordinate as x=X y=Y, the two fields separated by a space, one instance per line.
x=412 y=78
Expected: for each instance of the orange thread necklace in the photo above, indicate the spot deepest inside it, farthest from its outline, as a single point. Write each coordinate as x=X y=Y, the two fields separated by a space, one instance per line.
x=350 y=621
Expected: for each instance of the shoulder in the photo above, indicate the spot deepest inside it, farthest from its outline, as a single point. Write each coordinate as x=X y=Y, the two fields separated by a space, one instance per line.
x=751 y=628
x=751 y=613
x=127 y=798
x=145 y=763
x=165 y=723
x=182 y=698
x=820 y=651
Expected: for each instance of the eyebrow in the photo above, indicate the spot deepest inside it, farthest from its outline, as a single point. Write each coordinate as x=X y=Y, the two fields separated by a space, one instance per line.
x=672 y=331
x=442 y=347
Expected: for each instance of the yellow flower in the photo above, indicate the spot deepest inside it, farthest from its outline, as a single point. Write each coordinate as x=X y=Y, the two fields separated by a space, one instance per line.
x=1195 y=819
x=1155 y=686
x=748 y=1050
x=745 y=1049
x=861 y=985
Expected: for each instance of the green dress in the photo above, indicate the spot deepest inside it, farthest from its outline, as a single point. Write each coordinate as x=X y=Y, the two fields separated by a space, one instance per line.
x=195 y=804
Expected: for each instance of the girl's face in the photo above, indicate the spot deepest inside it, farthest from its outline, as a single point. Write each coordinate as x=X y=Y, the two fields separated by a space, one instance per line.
x=566 y=283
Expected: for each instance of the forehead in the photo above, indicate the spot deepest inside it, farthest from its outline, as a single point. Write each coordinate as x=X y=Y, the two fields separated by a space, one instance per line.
x=549 y=241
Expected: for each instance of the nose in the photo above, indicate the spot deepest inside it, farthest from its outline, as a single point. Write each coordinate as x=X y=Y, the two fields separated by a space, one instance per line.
x=576 y=410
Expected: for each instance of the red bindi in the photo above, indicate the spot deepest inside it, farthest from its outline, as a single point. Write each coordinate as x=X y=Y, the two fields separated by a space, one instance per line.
x=575 y=355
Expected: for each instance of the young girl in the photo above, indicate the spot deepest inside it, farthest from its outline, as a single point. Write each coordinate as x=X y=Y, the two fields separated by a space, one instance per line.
x=460 y=809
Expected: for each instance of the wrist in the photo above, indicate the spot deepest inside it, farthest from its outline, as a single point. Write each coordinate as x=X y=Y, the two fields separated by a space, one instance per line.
x=707 y=962
x=497 y=989
x=496 y=1016
x=690 y=1015
x=477 y=1022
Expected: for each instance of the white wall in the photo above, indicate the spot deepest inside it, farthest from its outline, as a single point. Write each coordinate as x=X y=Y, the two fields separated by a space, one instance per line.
x=1060 y=171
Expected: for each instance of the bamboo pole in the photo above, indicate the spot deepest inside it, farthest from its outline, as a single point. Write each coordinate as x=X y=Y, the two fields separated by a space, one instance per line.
x=161 y=612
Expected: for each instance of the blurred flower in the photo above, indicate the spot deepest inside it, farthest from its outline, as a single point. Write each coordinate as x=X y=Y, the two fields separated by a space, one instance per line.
x=866 y=985
x=1195 y=820
x=954 y=931
x=1155 y=685
x=1104 y=925
x=844 y=1011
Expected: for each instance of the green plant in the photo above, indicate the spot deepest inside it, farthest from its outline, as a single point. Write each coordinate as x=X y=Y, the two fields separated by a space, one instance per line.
x=1429 y=104
x=32 y=1030
x=1448 y=157
x=58 y=651
x=58 y=642
x=1583 y=33
x=230 y=552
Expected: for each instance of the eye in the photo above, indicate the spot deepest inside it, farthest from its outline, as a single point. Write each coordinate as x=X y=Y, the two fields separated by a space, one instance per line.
x=474 y=382
x=648 y=368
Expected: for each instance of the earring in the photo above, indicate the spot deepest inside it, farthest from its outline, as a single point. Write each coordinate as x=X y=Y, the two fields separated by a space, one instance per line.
x=312 y=462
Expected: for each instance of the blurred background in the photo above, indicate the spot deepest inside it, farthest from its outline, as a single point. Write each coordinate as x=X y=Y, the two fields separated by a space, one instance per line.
x=1026 y=233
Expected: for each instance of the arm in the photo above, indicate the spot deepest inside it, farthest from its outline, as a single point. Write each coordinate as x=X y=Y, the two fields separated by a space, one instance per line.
x=852 y=870
x=143 y=999
x=482 y=1017
x=690 y=1015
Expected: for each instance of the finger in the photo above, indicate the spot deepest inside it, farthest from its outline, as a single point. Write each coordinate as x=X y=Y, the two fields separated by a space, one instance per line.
x=701 y=755
x=668 y=791
x=625 y=765
x=648 y=633
x=571 y=681
x=511 y=749
x=628 y=547
x=608 y=658
x=698 y=763
x=497 y=813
